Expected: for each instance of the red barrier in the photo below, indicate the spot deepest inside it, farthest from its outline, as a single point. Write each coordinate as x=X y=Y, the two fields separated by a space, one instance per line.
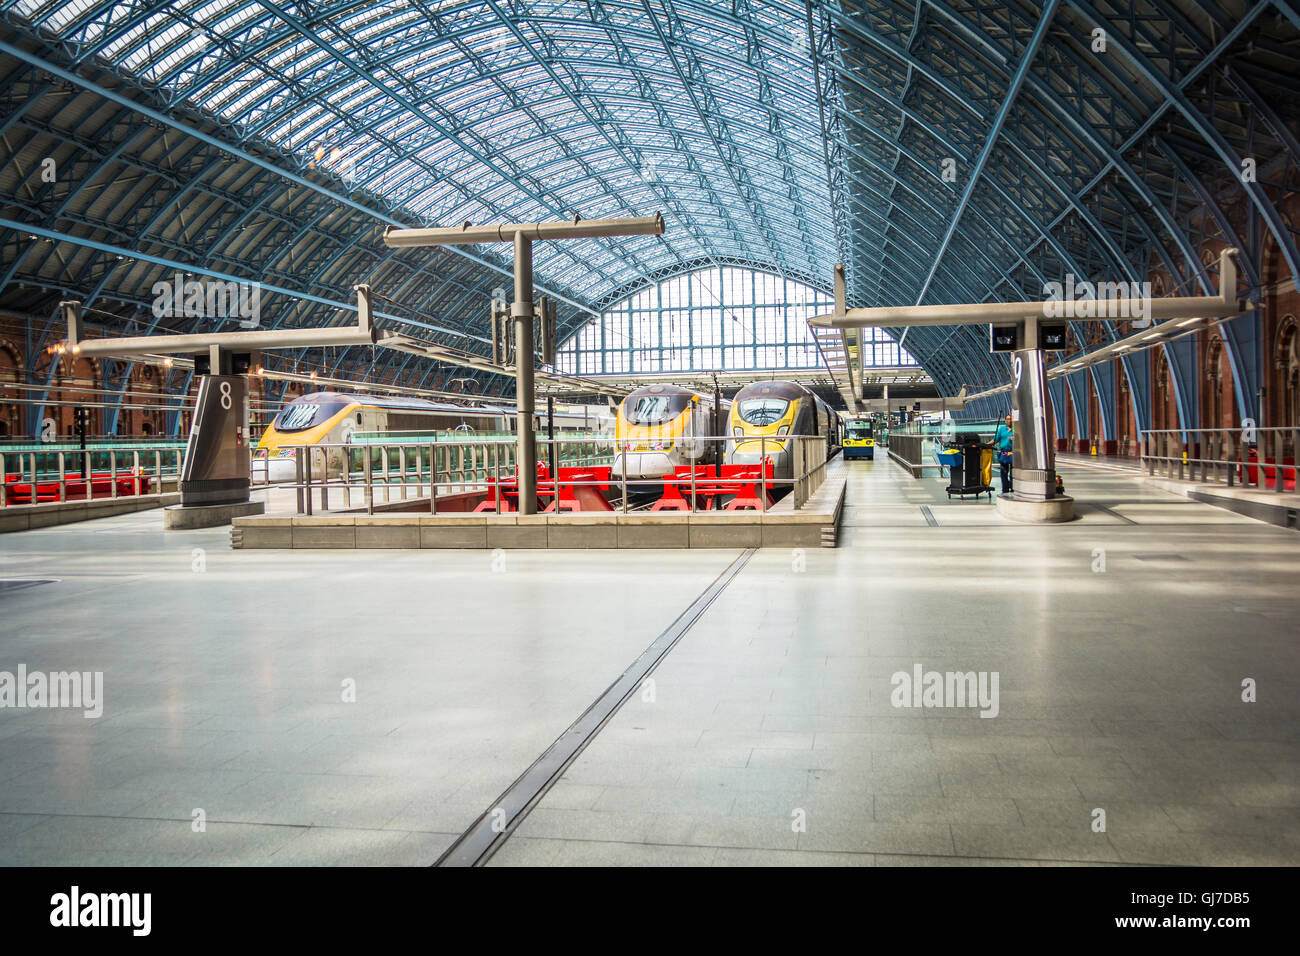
x=747 y=486
x=744 y=482
x=1248 y=472
x=18 y=492
x=588 y=495
x=673 y=498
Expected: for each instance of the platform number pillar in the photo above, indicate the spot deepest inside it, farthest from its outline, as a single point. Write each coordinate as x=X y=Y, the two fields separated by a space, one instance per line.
x=217 y=455
x=1033 y=460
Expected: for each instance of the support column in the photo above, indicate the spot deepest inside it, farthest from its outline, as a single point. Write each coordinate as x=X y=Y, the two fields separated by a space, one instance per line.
x=1033 y=460
x=522 y=311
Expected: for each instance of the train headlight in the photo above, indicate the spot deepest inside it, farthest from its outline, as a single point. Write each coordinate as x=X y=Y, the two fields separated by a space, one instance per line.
x=783 y=430
x=738 y=431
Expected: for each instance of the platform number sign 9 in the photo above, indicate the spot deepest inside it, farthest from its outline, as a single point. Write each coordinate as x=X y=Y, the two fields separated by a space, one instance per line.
x=1018 y=366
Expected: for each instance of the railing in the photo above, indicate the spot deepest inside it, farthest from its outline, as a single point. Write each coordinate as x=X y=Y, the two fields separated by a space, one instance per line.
x=404 y=471
x=74 y=475
x=938 y=428
x=912 y=451
x=1263 y=458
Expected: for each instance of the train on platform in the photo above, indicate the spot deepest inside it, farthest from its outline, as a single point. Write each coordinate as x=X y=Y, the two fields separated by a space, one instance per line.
x=859 y=439
x=660 y=427
x=763 y=412
x=333 y=418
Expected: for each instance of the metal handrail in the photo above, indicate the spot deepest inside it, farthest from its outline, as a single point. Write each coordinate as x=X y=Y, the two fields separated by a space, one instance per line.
x=1165 y=453
x=477 y=473
x=84 y=473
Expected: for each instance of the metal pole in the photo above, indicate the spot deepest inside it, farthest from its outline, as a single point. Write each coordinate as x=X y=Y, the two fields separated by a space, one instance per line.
x=762 y=467
x=550 y=432
x=433 y=479
x=297 y=475
x=623 y=481
x=719 y=447
x=522 y=310
x=495 y=324
x=539 y=329
x=63 y=481
x=346 y=476
x=369 y=471
x=1277 y=461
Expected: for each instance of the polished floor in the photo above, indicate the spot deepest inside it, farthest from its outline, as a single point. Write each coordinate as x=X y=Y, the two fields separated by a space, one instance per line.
x=366 y=707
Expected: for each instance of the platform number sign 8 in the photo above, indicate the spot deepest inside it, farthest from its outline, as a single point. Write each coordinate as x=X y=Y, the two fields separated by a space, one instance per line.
x=226 y=398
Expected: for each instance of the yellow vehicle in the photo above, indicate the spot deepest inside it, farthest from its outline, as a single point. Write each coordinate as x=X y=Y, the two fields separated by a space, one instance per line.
x=662 y=426
x=762 y=412
x=332 y=418
x=859 y=440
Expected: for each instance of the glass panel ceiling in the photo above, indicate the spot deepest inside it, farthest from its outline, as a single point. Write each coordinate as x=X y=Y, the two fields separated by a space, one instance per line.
x=471 y=111
x=713 y=320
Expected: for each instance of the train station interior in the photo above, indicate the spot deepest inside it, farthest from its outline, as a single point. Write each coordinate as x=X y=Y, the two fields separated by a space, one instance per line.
x=842 y=433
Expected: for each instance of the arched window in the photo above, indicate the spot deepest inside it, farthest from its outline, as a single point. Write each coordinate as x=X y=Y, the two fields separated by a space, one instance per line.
x=713 y=319
x=1161 y=419
x=1288 y=362
x=1214 y=380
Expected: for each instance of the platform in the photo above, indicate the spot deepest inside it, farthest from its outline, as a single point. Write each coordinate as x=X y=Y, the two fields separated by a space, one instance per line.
x=1119 y=688
x=44 y=514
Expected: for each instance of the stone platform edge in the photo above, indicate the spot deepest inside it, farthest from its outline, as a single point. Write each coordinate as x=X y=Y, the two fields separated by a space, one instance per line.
x=813 y=526
x=47 y=514
x=183 y=518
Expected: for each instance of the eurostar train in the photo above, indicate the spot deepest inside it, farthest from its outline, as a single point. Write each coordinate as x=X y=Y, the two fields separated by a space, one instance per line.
x=332 y=418
x=661 y=426
x=769 y=410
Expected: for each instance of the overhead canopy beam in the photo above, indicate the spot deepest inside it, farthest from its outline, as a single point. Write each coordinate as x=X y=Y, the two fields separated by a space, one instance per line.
x=568 y=229
x=363 y=333
x=1223 y=305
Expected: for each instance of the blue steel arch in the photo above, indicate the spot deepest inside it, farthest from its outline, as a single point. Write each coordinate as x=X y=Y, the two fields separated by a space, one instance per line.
x=228 y=114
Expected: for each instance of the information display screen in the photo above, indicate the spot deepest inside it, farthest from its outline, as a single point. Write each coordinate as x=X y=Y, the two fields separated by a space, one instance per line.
x=1004 y=338
x=1051 y=338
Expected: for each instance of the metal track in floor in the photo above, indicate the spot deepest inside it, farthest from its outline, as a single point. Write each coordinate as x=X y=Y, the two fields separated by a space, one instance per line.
x=495 y=825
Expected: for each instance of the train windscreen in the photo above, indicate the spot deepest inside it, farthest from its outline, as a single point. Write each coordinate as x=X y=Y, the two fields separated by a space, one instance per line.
x=762 y=411
x=859 y=430
x=655 y=409
x=298 y=416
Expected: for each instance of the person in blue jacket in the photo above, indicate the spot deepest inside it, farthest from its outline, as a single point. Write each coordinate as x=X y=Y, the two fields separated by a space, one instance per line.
x=1002 y=445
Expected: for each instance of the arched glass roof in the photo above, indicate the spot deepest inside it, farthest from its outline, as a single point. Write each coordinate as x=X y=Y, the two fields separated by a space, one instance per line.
x=943 y=150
